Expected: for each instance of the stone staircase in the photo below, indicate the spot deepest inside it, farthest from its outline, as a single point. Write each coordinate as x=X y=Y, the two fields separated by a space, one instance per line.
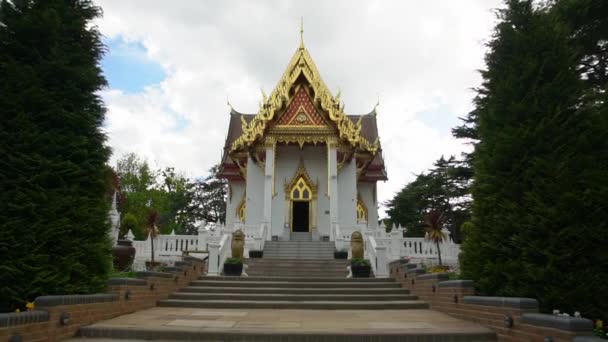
x=299 y=250
x=294 y=293
x=318 y=268
x=300 y=236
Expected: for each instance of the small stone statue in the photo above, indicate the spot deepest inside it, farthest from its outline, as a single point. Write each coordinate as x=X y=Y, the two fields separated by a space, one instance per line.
x=356 y=244
x=238 y=244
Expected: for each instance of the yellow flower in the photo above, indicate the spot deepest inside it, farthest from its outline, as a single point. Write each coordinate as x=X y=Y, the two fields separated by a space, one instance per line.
x=17 y=310
x=29 y=305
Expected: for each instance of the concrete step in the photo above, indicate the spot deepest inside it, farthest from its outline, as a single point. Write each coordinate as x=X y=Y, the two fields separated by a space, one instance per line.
x=302 y=253
x=309 y=305
x=324 y=284
x=300 y=279
x=299 y=251
x=321 y=257
x=292 y=297
x=315 y=262
x=294 y=290
x=110 y=333
x=297 y=267
x=299 y=243
x=333 y=275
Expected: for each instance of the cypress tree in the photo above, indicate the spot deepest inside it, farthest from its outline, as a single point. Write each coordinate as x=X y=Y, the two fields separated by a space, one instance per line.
x=539 y=225
x=53 y=216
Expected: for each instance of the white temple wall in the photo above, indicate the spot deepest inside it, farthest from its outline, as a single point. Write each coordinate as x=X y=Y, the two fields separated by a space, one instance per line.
x=367 y=190
x=255 y=193
x=237 y=189
x=347 y=195
x=287 y=162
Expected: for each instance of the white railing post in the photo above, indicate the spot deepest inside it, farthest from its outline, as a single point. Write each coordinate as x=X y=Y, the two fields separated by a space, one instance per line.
x=396 y=243
x=381 y=262
x=202 y=237
x=213 y=263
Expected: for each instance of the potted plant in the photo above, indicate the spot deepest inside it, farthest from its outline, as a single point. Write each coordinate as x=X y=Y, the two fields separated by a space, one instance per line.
x=123 y=254
x=233 y=267
x=341 y=254
x=360 y=268
x=256 y=254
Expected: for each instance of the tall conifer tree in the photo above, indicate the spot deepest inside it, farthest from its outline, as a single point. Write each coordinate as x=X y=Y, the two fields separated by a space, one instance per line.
x=540 y=193
x=53 y=216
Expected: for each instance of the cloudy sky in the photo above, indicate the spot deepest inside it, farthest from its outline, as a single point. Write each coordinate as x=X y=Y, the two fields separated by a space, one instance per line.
x=172 y=65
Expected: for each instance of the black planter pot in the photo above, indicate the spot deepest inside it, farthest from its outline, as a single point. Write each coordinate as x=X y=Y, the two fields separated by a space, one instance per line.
x=361 y=271
x=256 y=254
x=122 y=255
x=234 y=270
x=340 y=254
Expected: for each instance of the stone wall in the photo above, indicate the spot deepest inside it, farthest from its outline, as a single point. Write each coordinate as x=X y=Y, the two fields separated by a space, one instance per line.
x=512 y=318
x=59 y=317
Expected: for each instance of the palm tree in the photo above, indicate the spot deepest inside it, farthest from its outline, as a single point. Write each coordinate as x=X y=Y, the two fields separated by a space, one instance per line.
x=152 y=230
x=433 y=221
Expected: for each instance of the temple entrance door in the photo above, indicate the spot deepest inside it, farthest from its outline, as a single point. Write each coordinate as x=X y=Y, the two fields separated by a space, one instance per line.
x=300 y=215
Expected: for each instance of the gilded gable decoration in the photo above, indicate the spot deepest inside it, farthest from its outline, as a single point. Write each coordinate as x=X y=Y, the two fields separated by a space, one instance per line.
x=301 y=181
x=302 y=64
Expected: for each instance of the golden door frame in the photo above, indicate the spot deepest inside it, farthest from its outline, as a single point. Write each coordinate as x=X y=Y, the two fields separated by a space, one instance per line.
x=301 y=189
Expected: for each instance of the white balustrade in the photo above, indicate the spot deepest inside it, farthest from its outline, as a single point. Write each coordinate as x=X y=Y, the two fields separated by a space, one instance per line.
x=377 y=256
x=380 y=247
x=218 y=253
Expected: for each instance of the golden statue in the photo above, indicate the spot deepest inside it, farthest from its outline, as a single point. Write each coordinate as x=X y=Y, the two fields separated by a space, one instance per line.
x=356 y=244
x=238 y=244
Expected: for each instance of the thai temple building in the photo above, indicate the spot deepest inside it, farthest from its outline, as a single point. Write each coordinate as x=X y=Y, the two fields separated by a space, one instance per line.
x=301 y=164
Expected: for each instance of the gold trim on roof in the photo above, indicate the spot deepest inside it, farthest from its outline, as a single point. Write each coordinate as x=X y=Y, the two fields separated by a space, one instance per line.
x=302 y=64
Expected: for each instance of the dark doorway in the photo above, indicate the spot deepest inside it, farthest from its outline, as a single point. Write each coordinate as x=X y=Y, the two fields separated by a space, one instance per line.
x=300 y=216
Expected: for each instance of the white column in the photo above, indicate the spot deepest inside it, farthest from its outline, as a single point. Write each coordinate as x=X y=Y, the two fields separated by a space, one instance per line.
x=202 y=237
x=213 y=262
x=268 y=178
x=332 y=188
x=381 y=262
x=396 y=244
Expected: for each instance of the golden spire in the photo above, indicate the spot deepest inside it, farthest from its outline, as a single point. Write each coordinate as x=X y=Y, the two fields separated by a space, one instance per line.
x=301 y=32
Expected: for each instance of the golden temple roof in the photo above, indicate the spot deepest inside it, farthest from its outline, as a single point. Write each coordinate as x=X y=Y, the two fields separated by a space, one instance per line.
x=301 y=63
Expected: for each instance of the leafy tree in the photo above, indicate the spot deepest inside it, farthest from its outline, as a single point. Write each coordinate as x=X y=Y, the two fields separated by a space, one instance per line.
x=54 y=217
x=540 y=193
x=208 y=198
x=129 y=222
x=445 y=187
x=134 y=173
x=176 y=198
x=434 y=228
x=153 y=231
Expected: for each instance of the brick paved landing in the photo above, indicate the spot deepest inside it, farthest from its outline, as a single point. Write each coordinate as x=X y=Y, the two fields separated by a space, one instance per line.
x=287 y=325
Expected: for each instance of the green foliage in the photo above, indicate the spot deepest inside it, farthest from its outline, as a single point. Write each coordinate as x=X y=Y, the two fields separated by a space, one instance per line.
x=433 y=221
x=54 y=217
x=359 y=262
x=539 y=225
x=129 y=222
x=445 y=187
x=181 y=202
x=233 y=261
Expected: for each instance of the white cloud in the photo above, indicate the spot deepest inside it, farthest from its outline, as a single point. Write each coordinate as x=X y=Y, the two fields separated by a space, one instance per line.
x=416 y=56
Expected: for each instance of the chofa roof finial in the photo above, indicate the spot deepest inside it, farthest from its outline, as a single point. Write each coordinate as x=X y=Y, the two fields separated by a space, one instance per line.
x=301 y=32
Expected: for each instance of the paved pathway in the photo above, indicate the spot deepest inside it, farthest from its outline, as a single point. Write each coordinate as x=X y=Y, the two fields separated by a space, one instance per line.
x=367 y=322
